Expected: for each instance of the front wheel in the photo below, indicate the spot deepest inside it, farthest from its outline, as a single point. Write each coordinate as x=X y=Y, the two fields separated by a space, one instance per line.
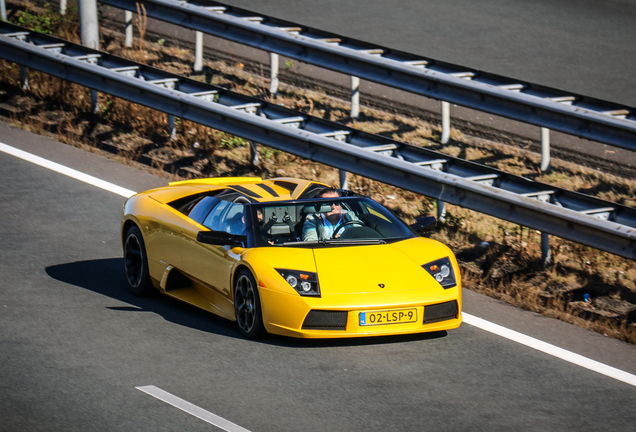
x=247 y=306
x=136 y=263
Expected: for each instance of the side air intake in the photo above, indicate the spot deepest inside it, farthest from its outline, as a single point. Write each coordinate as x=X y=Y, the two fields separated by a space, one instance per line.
x=440 y=312
x=325 y=320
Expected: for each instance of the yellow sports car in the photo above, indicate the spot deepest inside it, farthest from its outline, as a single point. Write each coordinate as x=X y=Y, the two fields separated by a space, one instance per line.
x=291 y=257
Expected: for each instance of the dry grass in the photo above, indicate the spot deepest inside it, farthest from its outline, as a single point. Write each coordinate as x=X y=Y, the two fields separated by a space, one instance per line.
x=498 y=258
x=141 y=23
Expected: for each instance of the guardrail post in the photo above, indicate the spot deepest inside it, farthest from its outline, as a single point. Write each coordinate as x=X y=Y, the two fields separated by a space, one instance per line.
x=445 y=122
x=545 y=150
x=254 y=153
x=62 y=7
x=198 y=52
x=24 y=78
x=546 y=256
x=3 y=10
x=273 y=66
x=88 y=23
x=344 y=183
x=441 y=211
x=355 y=97
x=172 y=130
x=94 y=102
x=128 y=20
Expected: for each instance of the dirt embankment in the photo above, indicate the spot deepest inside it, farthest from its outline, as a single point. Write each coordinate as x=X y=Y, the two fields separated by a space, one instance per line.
x=583 y=286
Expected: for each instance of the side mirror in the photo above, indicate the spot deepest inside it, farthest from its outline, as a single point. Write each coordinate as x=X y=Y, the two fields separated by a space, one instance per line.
x=423 y=224
x=221 y=238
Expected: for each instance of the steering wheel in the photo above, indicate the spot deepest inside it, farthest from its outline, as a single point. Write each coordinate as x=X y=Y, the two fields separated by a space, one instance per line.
x=351 y=222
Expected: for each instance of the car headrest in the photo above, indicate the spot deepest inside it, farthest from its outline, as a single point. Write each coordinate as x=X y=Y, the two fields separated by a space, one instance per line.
x=317 y=208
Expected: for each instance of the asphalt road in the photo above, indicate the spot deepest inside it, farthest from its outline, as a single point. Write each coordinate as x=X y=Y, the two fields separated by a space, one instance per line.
x=74 y=344
x=584 y=46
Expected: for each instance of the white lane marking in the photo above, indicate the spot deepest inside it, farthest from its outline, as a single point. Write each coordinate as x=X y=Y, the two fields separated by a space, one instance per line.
x=66 y=171
x=469 y=319
x=191 y=409
x=550 y=349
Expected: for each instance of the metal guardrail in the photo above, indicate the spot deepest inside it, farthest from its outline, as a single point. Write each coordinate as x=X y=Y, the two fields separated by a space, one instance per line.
x=581 y=218
x=574 y=114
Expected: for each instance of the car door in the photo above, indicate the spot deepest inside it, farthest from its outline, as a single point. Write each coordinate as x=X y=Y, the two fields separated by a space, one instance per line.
x=212 y=265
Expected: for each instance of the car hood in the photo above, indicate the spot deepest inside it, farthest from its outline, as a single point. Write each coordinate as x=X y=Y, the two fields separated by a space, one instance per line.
x=376 y=268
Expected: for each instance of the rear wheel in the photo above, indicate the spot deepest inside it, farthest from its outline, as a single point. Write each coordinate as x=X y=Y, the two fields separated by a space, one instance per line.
x=136 y=263
x=247 y=306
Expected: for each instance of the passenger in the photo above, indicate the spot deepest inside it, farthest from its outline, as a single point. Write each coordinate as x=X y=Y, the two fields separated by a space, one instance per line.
x=321 y=226
x=236 y=224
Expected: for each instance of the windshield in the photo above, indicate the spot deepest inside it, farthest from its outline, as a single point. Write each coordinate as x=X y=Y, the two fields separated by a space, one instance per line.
x=342 y=221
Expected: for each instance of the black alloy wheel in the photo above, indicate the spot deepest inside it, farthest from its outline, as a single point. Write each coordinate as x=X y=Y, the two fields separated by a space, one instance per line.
x=247 y=306
x=136 y=263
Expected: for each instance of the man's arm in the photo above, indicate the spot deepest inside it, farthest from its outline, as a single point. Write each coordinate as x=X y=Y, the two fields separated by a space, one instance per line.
x=348 y=216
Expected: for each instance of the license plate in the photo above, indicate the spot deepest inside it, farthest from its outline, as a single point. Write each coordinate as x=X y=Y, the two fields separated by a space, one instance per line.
x=397 y=316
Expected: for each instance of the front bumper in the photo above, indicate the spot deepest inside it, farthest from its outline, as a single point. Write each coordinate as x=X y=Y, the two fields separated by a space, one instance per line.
x=302 y=317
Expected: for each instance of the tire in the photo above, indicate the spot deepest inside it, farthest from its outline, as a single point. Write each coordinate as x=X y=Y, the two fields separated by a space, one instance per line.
x=247 y=306
x=136 y=263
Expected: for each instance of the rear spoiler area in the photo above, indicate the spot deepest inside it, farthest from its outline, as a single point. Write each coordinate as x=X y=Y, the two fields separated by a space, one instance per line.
x=215 y=181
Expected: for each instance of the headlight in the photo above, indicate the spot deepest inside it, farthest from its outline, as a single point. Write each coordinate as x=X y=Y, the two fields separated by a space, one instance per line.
x=306 y=283
x=442 y=271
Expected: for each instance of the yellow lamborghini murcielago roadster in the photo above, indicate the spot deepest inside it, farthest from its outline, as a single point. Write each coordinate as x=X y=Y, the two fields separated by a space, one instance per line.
x=277 y=256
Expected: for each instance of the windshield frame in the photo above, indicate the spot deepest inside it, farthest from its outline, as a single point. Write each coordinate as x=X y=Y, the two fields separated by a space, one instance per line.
x=254 y=226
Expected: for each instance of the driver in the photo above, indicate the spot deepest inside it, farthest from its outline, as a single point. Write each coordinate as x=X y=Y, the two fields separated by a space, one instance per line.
x=321 y=226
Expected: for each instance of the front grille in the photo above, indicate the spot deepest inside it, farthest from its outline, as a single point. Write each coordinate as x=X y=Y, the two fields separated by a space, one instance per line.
x=325 y=320
x=440 y=312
